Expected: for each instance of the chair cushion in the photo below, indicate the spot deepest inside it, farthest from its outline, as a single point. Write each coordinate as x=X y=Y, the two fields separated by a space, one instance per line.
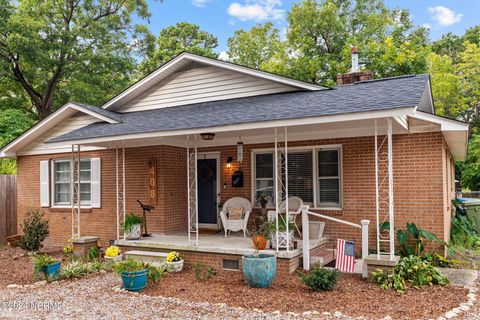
x=235 y=213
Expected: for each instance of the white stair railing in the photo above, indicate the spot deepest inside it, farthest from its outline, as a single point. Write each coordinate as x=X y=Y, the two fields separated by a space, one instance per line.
x=306 y=237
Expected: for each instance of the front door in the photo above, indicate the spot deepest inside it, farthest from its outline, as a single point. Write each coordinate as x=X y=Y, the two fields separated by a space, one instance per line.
x=207 y=192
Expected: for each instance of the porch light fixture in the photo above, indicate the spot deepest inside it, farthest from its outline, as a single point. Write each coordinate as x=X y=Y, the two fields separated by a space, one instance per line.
x=207 y=136
x=229 y=162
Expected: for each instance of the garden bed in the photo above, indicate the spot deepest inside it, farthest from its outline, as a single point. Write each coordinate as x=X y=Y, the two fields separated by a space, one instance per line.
x=17 y=267
x=352 y=296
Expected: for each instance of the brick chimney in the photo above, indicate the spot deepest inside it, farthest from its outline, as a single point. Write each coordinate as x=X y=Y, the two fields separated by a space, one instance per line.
x=355 y=75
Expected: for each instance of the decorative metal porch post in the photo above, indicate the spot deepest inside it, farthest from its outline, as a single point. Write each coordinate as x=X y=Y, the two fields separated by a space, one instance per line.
x=120 y=190
x=192 y=186
x=384 y=205
x=75 y=195
x=281 y=185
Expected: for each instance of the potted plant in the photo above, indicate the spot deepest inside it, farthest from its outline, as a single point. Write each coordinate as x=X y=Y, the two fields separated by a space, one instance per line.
x=134 y=273
x=112 y=255
x=174 y=262
x=132 y=226
x=259 y=269
x=269 y=230
x=46 y=265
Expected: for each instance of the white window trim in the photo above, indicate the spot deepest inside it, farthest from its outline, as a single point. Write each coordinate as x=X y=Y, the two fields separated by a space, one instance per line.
x=315 y=177
x=52 y=185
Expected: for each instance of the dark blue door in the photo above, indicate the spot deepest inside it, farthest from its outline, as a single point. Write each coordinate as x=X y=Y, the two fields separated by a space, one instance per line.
x=207 y=191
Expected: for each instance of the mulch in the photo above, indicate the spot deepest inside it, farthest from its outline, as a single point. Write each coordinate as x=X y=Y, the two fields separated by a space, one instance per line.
x=16 y=266
x=353 y=296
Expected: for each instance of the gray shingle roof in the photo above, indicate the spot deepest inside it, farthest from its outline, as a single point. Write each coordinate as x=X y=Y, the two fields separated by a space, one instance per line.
x=106 y=113
x=383 y=94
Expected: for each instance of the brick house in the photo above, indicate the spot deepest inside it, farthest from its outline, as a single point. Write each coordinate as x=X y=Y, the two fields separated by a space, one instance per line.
x=198 y=131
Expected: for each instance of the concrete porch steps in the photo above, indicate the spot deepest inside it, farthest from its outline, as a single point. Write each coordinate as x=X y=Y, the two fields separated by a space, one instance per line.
x=151 y=257
x=322 y=256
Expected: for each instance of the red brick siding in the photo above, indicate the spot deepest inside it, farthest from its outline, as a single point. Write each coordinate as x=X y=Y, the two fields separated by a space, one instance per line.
x=419 y=184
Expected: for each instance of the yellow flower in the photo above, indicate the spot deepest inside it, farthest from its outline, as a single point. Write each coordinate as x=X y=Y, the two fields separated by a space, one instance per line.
x=112 y=251
x=173 y=256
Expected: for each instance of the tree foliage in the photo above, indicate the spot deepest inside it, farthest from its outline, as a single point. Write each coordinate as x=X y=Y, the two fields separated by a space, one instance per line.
x=55 y=51
x=320 y=35
x=173 y=40
x=255 y=48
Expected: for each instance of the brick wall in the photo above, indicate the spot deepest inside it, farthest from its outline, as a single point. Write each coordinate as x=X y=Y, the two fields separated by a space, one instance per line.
x=420 y=186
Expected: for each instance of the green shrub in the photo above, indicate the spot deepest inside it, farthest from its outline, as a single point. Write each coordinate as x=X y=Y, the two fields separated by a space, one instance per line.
x=463 y=232
x=411 y=271
x=412 y=233
x=77 y=269
x=35 y=230
x=92 y=254
x=440 y=261
x=320 y=279
x=201 y=275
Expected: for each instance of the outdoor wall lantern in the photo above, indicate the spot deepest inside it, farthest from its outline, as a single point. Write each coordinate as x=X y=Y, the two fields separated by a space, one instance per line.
x=207 y=136
x=229 y=162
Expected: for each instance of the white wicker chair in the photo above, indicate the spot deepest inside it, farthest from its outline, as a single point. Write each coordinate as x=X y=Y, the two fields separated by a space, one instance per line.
x=295 y=205
x=240 y=224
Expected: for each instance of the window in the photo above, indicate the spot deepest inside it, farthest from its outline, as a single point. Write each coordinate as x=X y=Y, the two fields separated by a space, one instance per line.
x=62 y=182
x=264 y=176
x=300 y=175
x=328 y=178
x=314 y=175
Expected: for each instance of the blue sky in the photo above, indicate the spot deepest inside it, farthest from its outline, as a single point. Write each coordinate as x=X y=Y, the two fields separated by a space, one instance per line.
x=223 y=17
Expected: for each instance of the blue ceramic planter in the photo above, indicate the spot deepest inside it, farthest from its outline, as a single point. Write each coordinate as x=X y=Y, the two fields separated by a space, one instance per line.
x=135 y=281
x=259 y=270
x=52 y=270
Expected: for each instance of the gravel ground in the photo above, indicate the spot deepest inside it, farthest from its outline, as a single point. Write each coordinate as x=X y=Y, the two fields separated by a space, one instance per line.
x=474 y=313
x=94 y=298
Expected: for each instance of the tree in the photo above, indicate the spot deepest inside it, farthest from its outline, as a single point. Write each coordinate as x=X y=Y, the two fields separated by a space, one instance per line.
x=446 y=86
x=468 y=69
x=320 y=35
x=55 y=51
x=452 y=45
x=173 y=40
x=255 y=48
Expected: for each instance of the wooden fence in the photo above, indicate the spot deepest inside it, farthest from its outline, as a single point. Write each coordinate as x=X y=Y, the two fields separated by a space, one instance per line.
x=8 y=206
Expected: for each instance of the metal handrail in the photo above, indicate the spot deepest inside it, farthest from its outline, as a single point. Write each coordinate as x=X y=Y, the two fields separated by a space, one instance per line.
x=348 y=223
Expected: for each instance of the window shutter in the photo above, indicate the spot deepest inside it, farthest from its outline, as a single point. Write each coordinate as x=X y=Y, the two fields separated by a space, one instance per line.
x=44 y=187
x=95 y=183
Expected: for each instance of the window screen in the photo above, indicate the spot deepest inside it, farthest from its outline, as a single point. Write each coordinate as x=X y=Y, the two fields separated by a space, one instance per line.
x=264 y=176
x=328 y=177
x=300 y=175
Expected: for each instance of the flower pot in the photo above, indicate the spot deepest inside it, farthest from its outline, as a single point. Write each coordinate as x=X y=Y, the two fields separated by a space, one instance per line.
x=259 y=270
x=134 y=233
x=110 y=261
x=52 y=270
x=175 y=266
x=282 y=240
x=136 y=280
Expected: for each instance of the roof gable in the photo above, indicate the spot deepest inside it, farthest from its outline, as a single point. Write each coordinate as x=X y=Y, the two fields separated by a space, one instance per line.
x=182 y=66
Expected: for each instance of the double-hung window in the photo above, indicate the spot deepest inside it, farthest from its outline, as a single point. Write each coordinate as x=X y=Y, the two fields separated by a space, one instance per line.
x=63 y=182
x=314 y=175
x=264 y=177
x=329 y=183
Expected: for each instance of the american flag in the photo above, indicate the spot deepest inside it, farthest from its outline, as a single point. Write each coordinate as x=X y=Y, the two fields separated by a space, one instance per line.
x=345 y=256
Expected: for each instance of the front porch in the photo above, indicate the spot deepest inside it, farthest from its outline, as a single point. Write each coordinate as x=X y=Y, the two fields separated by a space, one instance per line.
x=222 y=253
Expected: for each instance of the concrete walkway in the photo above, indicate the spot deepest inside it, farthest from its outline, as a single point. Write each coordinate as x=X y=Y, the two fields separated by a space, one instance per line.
x=461 y=277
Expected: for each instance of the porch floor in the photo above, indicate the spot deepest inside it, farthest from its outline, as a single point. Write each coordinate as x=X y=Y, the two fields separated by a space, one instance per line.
x=213 y=243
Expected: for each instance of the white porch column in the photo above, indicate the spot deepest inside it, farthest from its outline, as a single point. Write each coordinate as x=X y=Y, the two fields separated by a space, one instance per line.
x=278 y=189
x=384 y=203
x=120 y=195
x=305 y=239
x=364 y=224
x=192 y=189
x=75 y=191
x=390 y=189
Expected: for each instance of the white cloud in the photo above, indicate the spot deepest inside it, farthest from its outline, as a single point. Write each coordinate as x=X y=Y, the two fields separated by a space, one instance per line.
x=257 y=10
x=427 y=26
x=444 y=16
x=200 y=3
x=223 y=56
